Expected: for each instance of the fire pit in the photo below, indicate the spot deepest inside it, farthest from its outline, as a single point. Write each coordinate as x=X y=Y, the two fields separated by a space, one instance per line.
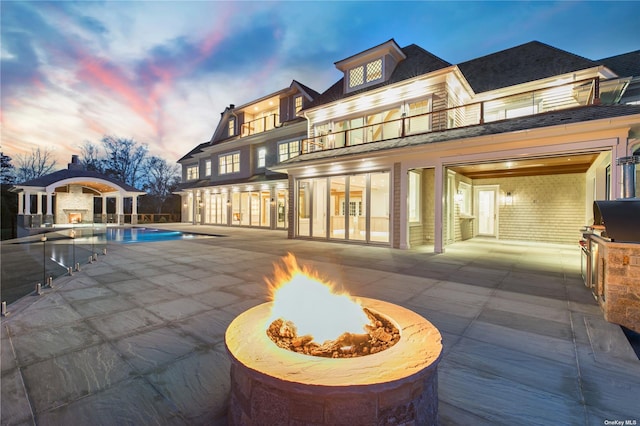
x=272 y=385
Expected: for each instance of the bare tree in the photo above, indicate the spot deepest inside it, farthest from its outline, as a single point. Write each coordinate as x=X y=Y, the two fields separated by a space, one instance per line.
x=39 y=163
x=124 y=160
x=162 y=179
x=90 y=157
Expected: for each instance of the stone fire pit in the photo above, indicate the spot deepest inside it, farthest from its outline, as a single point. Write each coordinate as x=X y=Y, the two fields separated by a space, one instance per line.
x=271 y=385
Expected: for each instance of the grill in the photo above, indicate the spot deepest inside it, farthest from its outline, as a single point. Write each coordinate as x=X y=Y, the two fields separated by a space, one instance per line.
x=620 y=219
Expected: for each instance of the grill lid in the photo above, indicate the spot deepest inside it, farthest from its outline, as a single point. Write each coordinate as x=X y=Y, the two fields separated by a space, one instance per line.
x=621 y=219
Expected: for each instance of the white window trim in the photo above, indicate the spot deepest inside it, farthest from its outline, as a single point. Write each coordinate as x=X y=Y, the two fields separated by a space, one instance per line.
x=228 y=154
x=262 y=158
x=364 y=83
x=295 y=103
x=466 y=193
x=191 y=175
x=231 y=126
x=207 y=167
x=417 y=192
x=288 y=145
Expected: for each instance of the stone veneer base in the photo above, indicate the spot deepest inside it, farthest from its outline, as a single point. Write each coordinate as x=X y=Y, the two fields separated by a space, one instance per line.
x=618 y=289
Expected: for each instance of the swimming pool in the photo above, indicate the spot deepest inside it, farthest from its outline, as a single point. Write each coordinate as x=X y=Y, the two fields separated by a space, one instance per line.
x=145 y=235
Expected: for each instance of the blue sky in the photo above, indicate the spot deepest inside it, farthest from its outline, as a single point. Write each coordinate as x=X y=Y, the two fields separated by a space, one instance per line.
x=161 y=72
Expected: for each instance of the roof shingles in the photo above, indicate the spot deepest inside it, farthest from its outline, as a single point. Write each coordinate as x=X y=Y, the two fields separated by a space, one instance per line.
x=521 y=64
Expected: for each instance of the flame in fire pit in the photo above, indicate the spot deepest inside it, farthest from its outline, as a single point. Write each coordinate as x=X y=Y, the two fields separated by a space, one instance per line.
x=312 y=305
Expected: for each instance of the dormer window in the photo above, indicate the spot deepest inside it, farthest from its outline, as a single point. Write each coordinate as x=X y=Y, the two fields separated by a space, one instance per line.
x=298 y=101
x=368 y=73
x=371 y=67
x=374 y=70
x=232 y=127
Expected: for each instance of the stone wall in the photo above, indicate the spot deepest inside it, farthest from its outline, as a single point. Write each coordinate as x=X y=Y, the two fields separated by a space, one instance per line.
x=74 y=200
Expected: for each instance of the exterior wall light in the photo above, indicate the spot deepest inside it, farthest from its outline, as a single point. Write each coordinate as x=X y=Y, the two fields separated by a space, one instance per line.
x=508 y=200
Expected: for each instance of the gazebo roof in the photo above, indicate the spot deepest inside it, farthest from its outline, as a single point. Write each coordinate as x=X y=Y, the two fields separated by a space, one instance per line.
x=76 y=175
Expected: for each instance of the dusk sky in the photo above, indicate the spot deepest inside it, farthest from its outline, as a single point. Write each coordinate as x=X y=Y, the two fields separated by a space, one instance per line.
x=161 y=72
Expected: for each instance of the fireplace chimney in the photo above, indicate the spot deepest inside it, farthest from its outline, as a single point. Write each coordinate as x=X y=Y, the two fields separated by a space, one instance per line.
x=629 y=175
x=75 y=163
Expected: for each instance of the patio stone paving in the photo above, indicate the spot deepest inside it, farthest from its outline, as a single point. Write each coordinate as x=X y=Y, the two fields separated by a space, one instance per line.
x=138 y=336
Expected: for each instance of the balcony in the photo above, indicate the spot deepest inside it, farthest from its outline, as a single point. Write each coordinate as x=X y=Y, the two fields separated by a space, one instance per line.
x=260 y=125
x=570 y=95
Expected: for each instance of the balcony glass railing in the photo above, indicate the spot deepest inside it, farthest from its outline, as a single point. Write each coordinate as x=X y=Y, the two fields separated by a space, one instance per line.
x=574 y=94
x=259 y=125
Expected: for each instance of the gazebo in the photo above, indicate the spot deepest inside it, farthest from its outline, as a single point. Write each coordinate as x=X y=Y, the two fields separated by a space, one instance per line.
x=67 y=197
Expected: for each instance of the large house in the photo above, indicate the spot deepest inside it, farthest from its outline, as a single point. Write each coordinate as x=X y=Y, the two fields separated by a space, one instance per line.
x=228 y=181
x=407 y=149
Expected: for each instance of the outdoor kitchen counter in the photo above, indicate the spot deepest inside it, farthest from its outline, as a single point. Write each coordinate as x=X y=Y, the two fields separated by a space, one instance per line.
x=618 y=286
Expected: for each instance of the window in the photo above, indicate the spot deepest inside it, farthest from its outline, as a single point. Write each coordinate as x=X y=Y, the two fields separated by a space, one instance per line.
x=288 y=150
x=414 y=196
x=464 y=198
x=356 y=76
x=419 y=120
x=298 y=102
x=368 y=73
x=229 y=163
x=374 y=70
x=192 y=172
x=207 y=168
x=232 y=127
x=262 y=155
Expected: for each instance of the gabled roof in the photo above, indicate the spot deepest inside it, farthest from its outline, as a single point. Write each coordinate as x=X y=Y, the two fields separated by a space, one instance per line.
x=418 y=62
x=521 y=64
x=625 y=65
x=220 y=131
x=60 y=175
x=388 y=47
x=311 y=94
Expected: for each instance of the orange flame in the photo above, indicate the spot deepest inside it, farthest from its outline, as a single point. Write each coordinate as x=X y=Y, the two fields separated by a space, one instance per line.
x=311 y=304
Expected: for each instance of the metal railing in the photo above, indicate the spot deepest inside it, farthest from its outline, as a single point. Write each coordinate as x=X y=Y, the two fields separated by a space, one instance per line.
x=569 y=95
x=260 y=125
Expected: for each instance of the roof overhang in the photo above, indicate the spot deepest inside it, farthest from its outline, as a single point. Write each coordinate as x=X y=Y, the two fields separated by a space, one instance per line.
x=101 y=186
x=389 y=47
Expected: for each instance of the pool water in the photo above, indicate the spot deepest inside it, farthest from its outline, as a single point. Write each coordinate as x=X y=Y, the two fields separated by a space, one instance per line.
x=145 y=235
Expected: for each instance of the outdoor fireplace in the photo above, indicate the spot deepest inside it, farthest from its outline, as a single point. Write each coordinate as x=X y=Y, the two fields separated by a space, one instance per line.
x=392 y=383
x=75 y=215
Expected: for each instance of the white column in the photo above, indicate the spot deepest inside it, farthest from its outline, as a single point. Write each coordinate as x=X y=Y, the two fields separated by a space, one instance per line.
x=403 y=216
x=134 y=204
x=39 y=202
x=50 y=203
x=119 y=204
x=20 y=202
x=439 y=217
x=619 y=150
x=27 y=202
x=195 y=207
x=104 y=206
